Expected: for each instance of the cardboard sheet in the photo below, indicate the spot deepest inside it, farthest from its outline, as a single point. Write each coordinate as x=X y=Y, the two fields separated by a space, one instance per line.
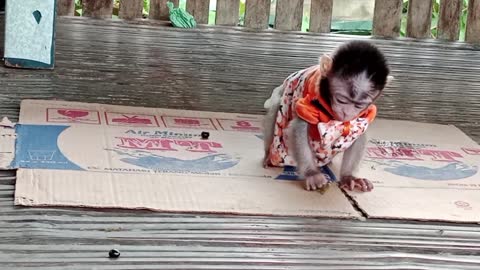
x=77 y=154
x=421 y=172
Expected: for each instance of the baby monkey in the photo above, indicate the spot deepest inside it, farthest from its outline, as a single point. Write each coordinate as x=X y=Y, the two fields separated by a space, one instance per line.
x=324 y=110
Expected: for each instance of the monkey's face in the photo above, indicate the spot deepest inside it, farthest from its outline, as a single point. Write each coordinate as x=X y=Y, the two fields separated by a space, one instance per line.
x=356 y=73
x=350 y=95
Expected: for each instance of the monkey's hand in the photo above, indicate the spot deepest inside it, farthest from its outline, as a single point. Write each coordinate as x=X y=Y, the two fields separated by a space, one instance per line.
x=315 y=180
x=352 y=182
x=266 y=162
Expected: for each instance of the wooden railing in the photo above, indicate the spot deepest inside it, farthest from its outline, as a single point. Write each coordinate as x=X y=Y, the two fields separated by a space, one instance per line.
x=289 y=13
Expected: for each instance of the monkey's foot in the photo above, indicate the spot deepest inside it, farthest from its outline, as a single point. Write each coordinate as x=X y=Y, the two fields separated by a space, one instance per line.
x=316 y=181
x=351 y=182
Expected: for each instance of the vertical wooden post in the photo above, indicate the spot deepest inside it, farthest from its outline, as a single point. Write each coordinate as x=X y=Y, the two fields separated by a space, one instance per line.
x=159 y=9
x=387 y=18
x=419 y=18
x=257 y=13
x=130 y=9
x=289 y=15
x=472 y=34
x=321 y=16
x=98 y=8
x=199 y=9
x=227 y=12
x=449 y=19
x=66 y=7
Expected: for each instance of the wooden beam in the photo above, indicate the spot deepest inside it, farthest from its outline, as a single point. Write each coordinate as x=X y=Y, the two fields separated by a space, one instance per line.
x=159 y=9
x=472 y=34
x=98 y=8
x=321 y=16
x=419 y=18
x=387 y=18
x=199 y=10
x=449 y=19
x=257 y=13
x=227 y=12
x=65 y=7
x=289 y=15
x=130 y=9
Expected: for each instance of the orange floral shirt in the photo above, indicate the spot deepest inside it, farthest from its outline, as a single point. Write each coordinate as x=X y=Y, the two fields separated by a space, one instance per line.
x=327 y=137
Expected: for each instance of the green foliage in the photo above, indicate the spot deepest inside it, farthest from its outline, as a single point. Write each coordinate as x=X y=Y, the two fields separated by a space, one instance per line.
x=146 y=7
x=116 y=8
x=78 y=8
x=242 y=12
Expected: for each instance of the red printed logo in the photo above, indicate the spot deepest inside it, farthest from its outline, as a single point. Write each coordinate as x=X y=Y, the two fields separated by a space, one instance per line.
x=73 y=113
x=168 y=145
x=399 y=153
x=73 y=116
x=240 y=125
x=472 y=151
x=188 y=122
x=122 y=119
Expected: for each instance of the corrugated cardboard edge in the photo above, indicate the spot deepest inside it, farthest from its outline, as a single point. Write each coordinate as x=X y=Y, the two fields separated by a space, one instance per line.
x=7 y=144
x=26 y=202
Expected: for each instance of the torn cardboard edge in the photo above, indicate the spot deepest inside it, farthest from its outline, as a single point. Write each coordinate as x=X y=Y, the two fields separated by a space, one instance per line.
x=7 y=144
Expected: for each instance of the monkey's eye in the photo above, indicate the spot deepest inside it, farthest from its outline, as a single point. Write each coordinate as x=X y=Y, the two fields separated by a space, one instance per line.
x=360 y=105
x=342 y=100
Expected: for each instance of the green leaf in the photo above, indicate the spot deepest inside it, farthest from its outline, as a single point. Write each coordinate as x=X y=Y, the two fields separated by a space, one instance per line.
x=242 y=8
x=241 y=13
x=436 y=7
x=403 y=26
x=146 y=6
x=78 y=8
x=405 y=6
x=434 y=23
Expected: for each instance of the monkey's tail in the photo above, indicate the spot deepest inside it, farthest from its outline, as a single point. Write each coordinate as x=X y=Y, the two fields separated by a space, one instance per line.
x=274 y=98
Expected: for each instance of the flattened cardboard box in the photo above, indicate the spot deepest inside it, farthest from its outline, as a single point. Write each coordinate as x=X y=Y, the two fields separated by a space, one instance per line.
x=77 y=154
x=421 y=175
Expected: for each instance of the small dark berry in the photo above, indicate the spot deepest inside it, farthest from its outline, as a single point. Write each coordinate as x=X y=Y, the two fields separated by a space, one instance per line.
x=205 y=135
x=114 y=253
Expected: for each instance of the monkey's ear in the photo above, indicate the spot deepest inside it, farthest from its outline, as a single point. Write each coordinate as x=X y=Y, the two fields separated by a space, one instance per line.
x=390 y=78
x=325 y=63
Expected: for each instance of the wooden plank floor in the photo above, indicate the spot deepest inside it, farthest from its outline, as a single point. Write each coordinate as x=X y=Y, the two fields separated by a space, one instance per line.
x=147 y=65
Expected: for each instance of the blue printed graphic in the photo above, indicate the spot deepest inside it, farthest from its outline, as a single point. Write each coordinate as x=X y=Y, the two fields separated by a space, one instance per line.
x=259 y=136
x=450 y=171
x=289 y=173
x=209 y=163
x=37 y=148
